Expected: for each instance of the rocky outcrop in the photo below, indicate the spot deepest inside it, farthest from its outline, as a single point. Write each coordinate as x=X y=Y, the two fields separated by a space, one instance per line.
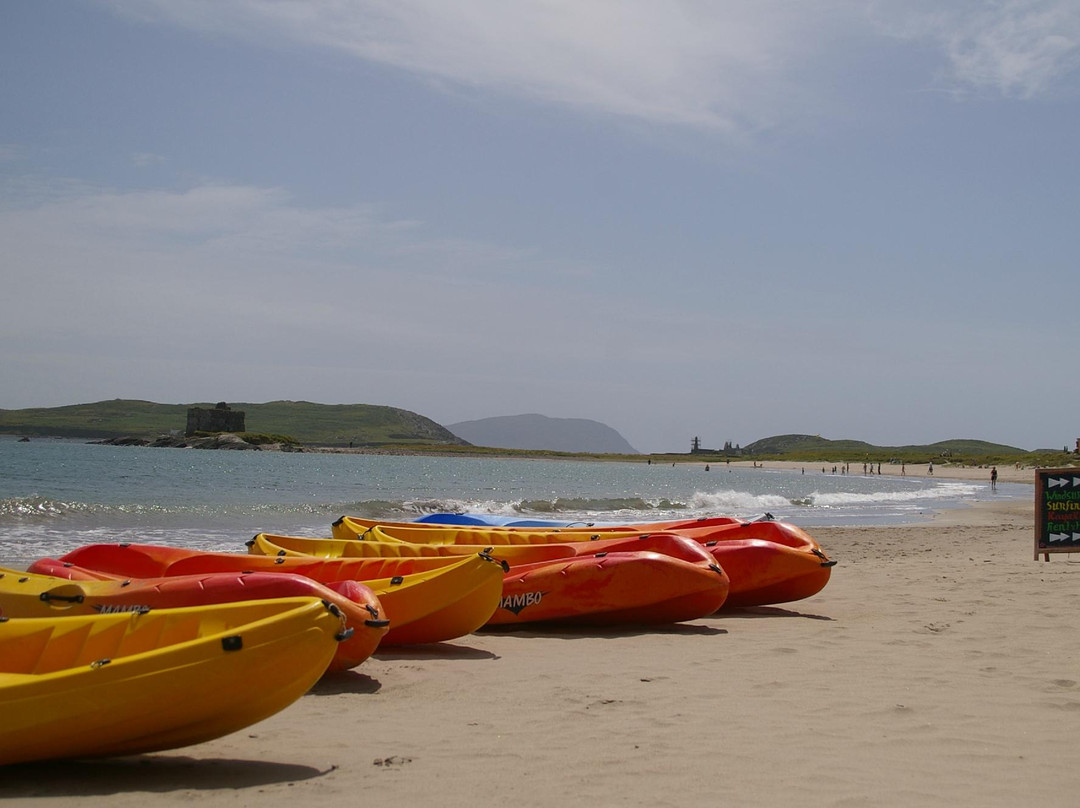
x=224 y=440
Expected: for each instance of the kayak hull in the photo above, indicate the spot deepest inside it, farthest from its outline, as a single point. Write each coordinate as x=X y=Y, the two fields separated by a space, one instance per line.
x=127 y=683
x=611 y=589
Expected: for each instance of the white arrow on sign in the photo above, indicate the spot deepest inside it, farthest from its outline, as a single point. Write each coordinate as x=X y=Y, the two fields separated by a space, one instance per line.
x=1064 y=537
x=1058 y=482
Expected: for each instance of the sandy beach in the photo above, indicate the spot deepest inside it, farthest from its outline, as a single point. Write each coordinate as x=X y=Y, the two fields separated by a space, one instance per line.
x=939 y=667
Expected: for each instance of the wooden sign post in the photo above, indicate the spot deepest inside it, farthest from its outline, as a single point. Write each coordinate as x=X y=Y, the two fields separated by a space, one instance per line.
x=1057 y=511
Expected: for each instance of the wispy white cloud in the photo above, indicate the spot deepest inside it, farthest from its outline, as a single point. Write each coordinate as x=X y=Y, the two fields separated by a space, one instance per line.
x=728 y=67
x=1017 y=48
x=721 y=67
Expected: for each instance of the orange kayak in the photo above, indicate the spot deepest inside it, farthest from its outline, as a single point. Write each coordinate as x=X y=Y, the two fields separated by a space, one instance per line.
x=61 y=592
x=425 y=599
x=607 y=589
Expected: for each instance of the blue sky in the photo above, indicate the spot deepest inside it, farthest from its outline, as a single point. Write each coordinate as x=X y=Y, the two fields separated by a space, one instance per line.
x=731 y=220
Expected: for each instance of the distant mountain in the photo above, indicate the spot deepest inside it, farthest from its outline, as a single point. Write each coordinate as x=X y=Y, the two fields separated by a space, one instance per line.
x=538 y=432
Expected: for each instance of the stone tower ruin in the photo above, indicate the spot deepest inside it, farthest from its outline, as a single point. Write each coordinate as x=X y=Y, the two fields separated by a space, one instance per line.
x=219 y=419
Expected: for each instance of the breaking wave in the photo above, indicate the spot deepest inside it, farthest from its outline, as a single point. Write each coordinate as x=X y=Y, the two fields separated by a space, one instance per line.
x=926 y=496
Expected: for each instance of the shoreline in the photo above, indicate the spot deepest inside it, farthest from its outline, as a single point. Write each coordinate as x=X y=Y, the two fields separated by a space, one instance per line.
x=1006 y=474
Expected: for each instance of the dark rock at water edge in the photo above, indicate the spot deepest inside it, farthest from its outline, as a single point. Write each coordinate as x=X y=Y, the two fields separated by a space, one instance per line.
x=222 y=441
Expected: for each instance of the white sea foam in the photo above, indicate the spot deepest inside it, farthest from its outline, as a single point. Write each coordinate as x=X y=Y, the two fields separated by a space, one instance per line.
x=736 y=503
x=947 y=491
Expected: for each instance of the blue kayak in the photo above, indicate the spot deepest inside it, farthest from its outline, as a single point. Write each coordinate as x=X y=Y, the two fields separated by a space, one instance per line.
x=491 y=520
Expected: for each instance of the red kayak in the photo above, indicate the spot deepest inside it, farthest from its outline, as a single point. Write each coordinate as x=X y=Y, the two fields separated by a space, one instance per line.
x=425 y=599
x=56 y=590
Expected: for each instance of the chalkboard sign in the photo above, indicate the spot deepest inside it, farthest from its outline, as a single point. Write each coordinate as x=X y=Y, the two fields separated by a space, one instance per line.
x=1057 y=511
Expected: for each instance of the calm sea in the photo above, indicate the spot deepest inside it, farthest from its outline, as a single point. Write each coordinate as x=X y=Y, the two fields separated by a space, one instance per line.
x=56 y=494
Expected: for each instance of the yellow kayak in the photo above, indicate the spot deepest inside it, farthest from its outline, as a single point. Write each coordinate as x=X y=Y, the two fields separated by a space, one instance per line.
x=379 y=544
x=440 y=603
x=425 y=599
x=350 y=527
x=133 y=682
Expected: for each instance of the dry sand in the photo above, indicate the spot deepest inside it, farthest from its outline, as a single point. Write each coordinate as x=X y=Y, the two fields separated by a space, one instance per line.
x=939 y=667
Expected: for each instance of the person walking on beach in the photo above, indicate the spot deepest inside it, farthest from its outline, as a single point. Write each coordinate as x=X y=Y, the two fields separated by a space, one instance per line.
x=993 y=478
x=930 y=471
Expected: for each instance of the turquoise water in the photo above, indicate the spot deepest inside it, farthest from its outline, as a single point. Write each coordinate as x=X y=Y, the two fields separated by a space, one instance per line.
x=56 y=495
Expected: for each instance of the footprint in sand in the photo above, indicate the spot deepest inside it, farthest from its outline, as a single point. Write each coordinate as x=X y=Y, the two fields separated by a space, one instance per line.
x=393 y=760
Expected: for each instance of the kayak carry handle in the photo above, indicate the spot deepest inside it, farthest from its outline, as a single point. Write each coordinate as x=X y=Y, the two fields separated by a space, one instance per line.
x=487 y=556
x=49 y=597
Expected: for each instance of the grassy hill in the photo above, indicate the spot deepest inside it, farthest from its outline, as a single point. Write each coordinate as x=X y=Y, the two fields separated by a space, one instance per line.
x=815 y=449
x=815 y=444
x=317 y=424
